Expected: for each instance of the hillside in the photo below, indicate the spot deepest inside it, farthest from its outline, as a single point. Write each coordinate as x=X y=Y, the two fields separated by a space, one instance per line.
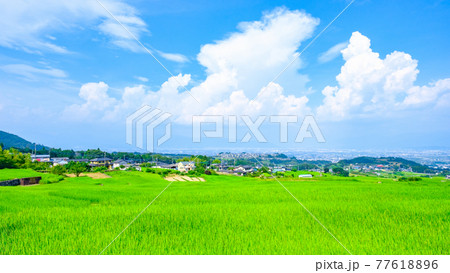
x=387 y=161
x=13 y=141
x=380 y=160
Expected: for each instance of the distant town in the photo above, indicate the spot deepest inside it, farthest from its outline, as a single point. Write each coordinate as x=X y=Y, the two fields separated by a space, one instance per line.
x=243 y=164
x=254 y=164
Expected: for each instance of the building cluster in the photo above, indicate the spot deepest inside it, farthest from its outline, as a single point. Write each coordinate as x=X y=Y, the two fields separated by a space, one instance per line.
x=365 y=168
x=95 y=162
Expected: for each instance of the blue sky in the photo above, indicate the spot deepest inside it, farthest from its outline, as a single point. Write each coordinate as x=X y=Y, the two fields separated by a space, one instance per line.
x=377 y=78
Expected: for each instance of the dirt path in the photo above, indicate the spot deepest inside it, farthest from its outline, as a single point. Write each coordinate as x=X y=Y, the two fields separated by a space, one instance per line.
x=184 y=178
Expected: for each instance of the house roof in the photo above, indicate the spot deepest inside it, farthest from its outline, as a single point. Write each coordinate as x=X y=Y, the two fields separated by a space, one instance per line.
x=61 y=161
x=79 y=160
x=101 y=159
x=120 y=161
x=186 y=163
x=40 y=156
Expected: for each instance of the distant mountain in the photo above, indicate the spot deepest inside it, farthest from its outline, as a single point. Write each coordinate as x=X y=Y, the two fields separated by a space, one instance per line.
x=13 y=141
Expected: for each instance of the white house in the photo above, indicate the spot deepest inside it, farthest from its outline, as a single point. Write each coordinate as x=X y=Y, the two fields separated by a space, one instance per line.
x=60 y=161
x=185 y=166
x=305 y=176
x=118 y=163
x=40 y=158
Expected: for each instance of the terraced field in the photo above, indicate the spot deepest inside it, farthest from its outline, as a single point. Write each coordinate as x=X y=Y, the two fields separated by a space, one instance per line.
x=224 y=215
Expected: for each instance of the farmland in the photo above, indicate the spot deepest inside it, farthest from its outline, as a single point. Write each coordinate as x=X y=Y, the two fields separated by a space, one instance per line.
x=224 y=215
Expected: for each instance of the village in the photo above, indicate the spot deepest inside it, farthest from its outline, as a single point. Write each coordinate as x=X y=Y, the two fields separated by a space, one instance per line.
x=247 y=165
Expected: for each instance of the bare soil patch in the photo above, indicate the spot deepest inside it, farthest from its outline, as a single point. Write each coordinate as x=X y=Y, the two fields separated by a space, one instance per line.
x=184 y=178
x=91 y=175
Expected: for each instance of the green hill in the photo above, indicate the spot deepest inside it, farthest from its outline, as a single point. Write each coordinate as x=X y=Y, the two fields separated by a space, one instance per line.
x=13 y=141
x=380 y=160
x=387 y=161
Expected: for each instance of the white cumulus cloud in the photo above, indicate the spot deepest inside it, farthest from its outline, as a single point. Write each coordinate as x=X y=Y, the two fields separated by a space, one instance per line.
x=239 y=68
x=370 y=85
x=95 y=100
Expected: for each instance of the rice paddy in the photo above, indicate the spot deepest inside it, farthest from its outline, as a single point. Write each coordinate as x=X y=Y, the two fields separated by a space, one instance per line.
x=224 y=215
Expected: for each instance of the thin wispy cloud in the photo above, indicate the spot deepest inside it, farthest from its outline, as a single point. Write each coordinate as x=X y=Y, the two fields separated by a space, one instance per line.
x=174 y=57
x=33 y=26
x=142 y=79
x=332 y=53
x=33 y=73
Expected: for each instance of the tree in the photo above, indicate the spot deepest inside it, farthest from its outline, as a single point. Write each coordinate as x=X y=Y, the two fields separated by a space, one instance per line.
x=340 y=171
x=326 y=169
x=200 y=170
x=216 y=161
x=77 y=167
x=12 y=159
x=58 y=169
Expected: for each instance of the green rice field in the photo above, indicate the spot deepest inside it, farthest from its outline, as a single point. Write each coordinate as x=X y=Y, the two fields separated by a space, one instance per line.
x=224 y=215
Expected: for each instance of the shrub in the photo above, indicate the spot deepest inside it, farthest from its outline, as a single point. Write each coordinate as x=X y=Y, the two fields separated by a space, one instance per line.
x=49 y=179
x=409 y=179
x=100 y=169
x=414 y=179
x=58 y=169
x=39 y=166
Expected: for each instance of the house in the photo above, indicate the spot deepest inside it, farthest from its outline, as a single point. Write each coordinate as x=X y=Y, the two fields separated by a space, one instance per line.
x=60 y=162
x=239 y=170
x=55 y=159
x=185 y=166
x=40 y=158
x=118 y=163
x=448 y=177
x=101 y=162
x=305 y=176
x=165 y=166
